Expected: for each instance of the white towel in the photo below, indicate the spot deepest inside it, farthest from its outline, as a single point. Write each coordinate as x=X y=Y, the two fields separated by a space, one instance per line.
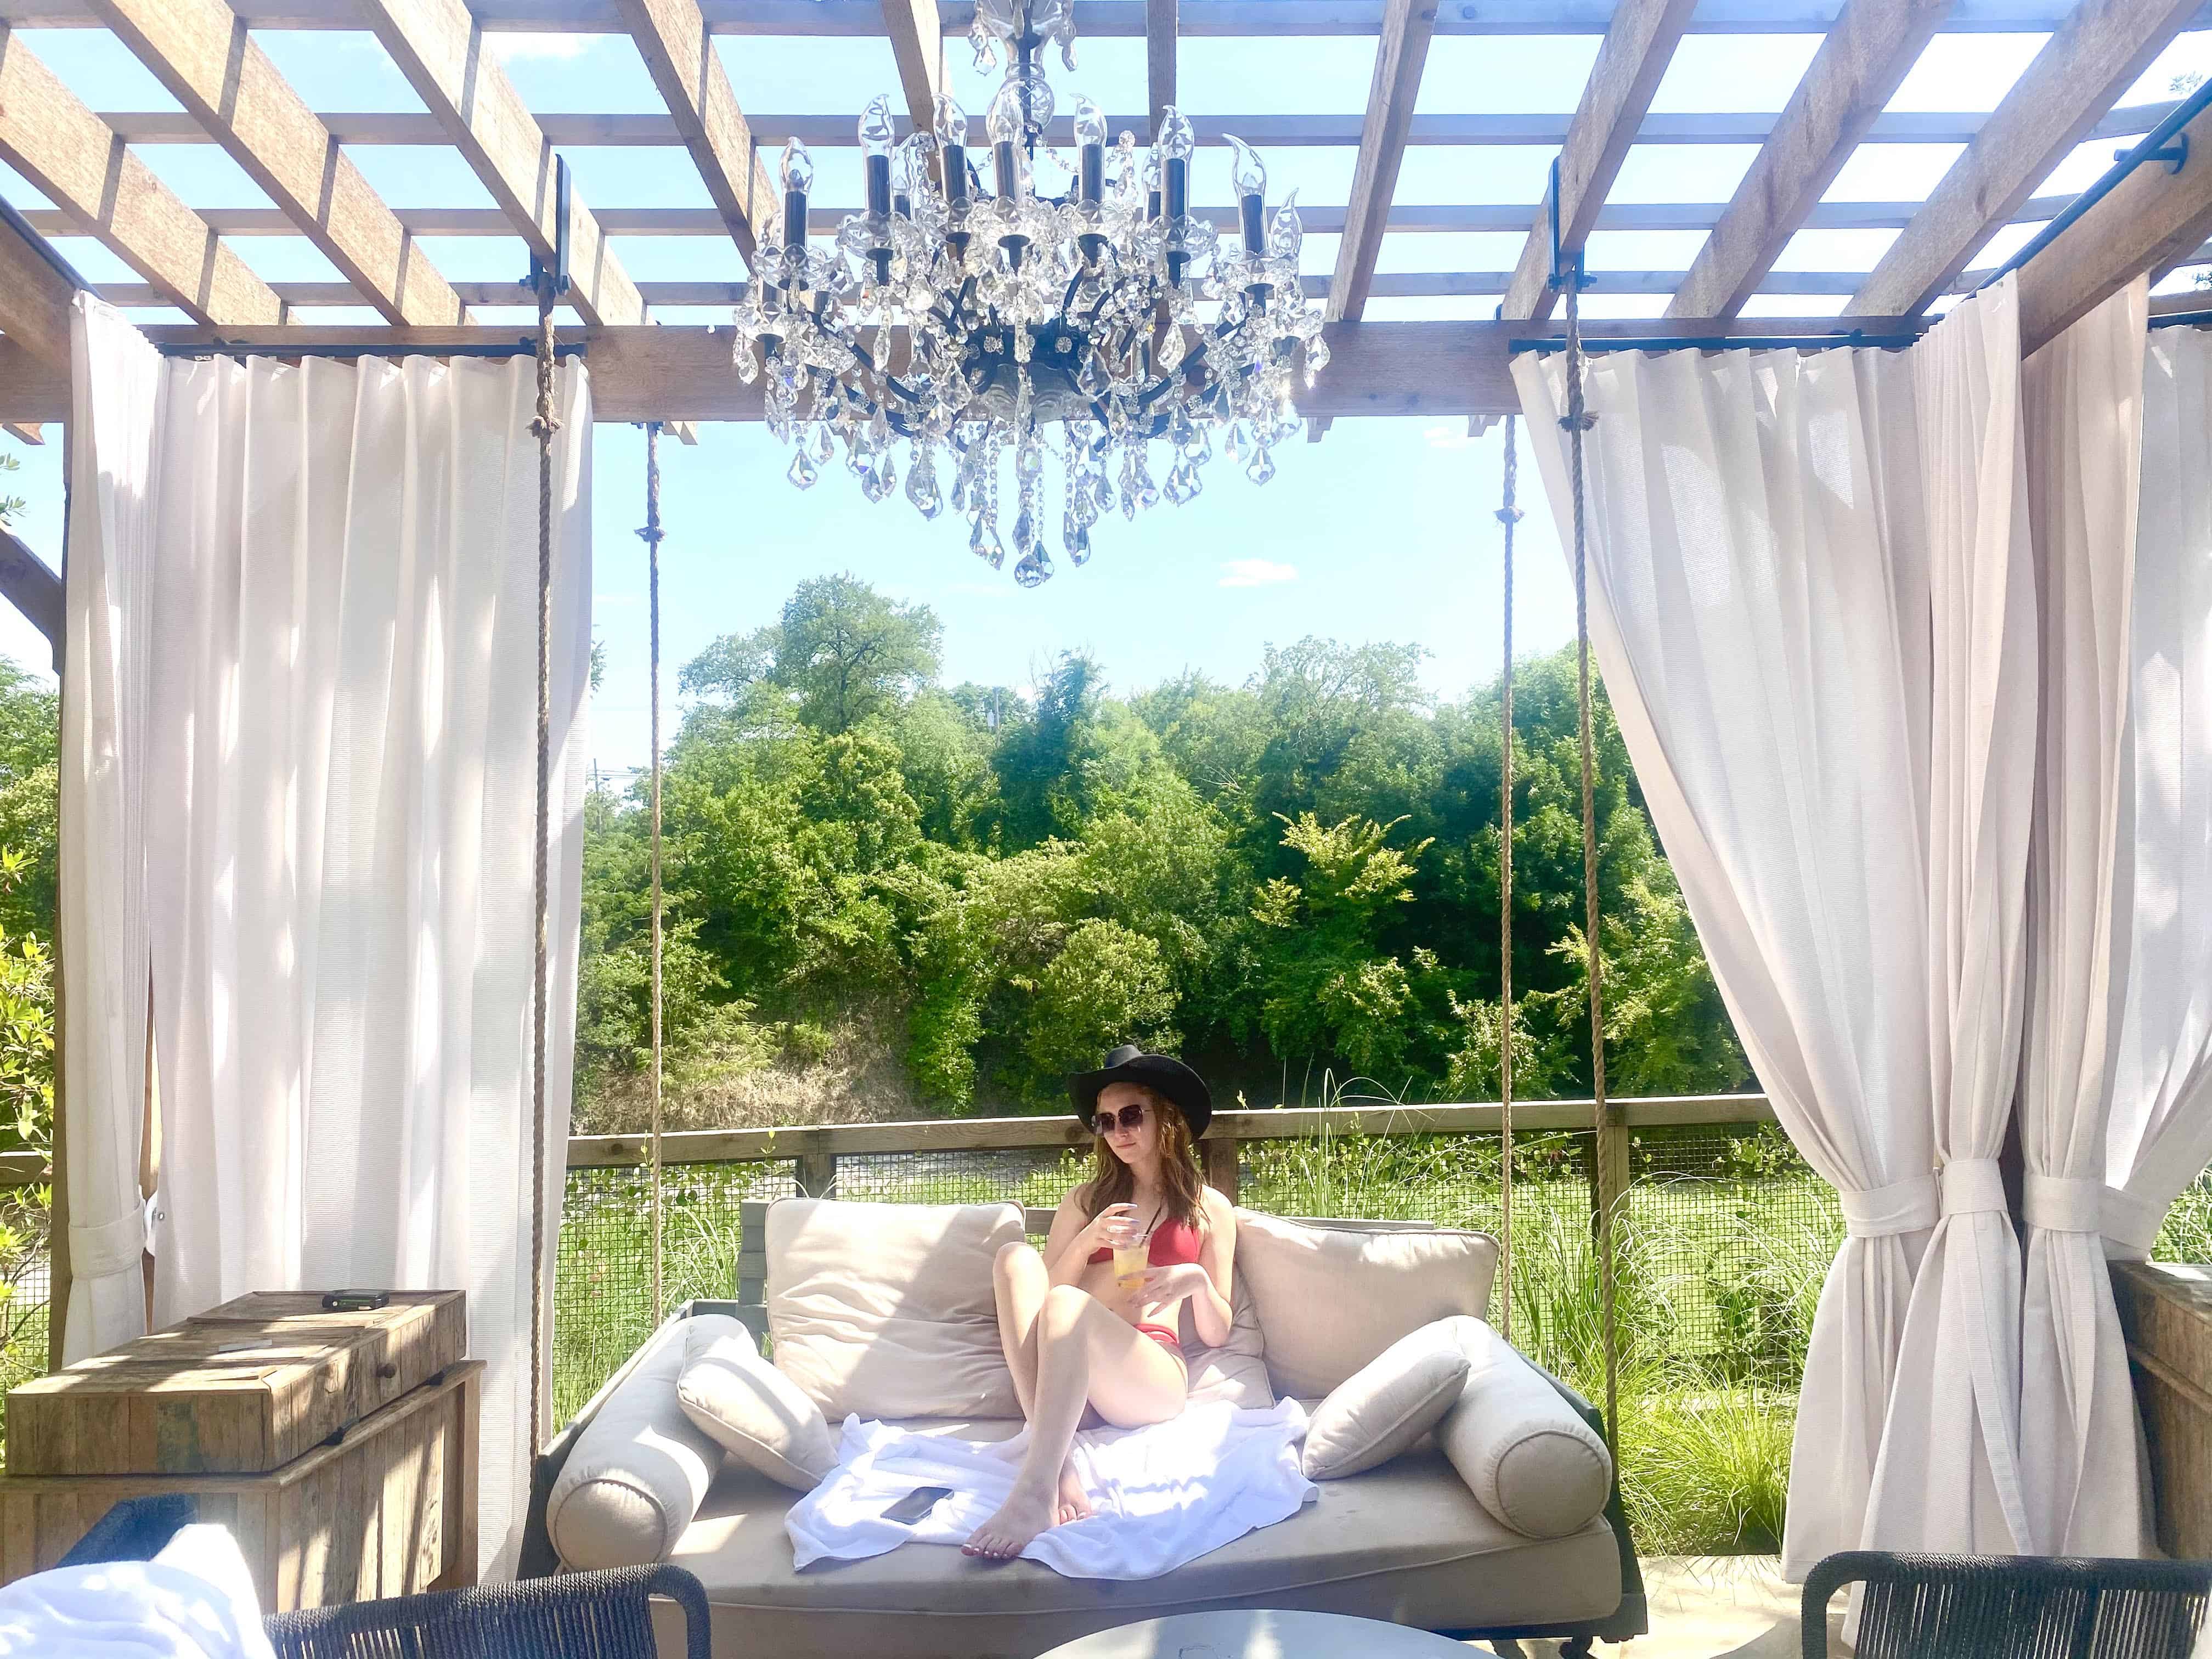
x=157 y=1609
x=1162 y=1495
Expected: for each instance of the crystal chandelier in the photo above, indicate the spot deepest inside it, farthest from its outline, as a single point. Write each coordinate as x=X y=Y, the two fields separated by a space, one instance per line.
x=949 y=327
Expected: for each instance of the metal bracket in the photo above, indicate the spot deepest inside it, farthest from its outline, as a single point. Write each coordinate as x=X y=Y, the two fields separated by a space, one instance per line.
x=1563 y=269
x=2174 y=152
x=555 y=277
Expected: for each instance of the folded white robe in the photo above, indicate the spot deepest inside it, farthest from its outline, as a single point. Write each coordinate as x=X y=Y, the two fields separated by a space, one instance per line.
x=1163 y=1495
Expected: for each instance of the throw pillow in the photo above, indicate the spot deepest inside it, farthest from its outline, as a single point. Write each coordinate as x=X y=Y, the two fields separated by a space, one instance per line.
x=752 y=1410
x=1387 y=1404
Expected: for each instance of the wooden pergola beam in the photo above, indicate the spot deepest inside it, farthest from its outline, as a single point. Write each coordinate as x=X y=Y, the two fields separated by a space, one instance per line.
x=918 y=48
x=1873 y=46
x=2096 y=56
x=1163 y=29
x=100 y=188
x=202 y=52
x=678 y=373
x=671 y=37
x=2150 y=222
x=29 y=583
x=439 y=49
x=1615 y=99
x=27 y=432
x=1400 y=57
x=34 y=314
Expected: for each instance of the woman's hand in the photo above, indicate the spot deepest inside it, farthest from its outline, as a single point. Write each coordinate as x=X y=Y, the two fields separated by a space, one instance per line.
x=1115 y=1224
x=1174 y=1283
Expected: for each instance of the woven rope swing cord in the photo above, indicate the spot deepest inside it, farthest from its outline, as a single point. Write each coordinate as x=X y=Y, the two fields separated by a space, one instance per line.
x=543 y=427
x=651 y=536
x=1577 y=422
x=1509 y=515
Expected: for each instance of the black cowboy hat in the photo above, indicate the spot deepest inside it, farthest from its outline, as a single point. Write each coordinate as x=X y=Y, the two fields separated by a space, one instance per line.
x=1130 y=1064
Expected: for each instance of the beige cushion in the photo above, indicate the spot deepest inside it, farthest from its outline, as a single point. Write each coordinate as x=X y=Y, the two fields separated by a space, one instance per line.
x=636 y=1474
x=1236 y=1371
x=887 y=1310
x=1329 y=1301
x=1405 y=1543
x=1387 y=1405
x=1522 y=1450
x=752 y=1410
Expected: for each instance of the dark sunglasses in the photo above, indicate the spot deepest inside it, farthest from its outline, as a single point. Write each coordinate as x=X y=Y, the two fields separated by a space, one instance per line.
x=1131 y=1117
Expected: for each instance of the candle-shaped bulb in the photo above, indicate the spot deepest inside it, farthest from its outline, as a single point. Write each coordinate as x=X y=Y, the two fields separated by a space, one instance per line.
x=1177 y=140
x=1286 y=231
x=951 y=121
x=798 y=166
x=876 y=128
x=1004 y=120
x=1248 y=172
x=1089 y=123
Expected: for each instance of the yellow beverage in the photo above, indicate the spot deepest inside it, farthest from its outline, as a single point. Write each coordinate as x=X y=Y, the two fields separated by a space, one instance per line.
x=1130 y=1262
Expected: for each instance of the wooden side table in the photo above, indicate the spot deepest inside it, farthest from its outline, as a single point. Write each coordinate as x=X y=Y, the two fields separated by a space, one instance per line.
x=339 y=1448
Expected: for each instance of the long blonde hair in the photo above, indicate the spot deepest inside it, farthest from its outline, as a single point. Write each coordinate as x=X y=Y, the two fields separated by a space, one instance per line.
x=1113 y=1181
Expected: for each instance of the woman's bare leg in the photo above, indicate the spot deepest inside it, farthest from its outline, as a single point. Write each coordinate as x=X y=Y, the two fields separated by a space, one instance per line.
x=1020 y=1283
x=1084 y=1354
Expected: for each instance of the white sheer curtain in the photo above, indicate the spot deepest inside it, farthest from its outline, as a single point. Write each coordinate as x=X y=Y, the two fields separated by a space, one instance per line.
x=2080 y=1450
x=339 y=767
x=114 y=376
x=1759 y=605
x=1804 y=589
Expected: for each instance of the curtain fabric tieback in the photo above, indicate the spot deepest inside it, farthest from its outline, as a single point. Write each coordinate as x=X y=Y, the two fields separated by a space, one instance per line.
x=2129 y=1223
x=1971 y=1185
x=2058 y=1205
x=112 y=1247
x=1903 y=1206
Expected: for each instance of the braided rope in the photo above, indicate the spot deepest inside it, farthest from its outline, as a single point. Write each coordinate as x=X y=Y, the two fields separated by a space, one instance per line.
x=1507 y=515
x=1577 y=423
x=543 y=427
x=650 y=536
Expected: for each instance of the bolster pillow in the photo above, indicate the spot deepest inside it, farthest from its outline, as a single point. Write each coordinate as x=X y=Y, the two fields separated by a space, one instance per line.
x=640 y=1470
x=1524 y=1451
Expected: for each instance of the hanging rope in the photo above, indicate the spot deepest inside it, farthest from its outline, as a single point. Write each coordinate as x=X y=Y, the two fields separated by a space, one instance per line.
x=651 y=536
x=545 y=427
x=1507 y=515
x=1577 y=423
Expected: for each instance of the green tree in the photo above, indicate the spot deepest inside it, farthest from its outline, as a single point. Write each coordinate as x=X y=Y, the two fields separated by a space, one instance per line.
x=840 y=652
x=30 y=747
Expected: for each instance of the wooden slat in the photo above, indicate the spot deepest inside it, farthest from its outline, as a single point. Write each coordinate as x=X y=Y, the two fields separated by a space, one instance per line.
x=28 y=583
x=1319 y=221
x=1400 y=57
x=918 y=49
x=439 y=48
x=2152 y=222
x=1098 y=19
x=2096 y=56
x=200 y=50
x=25 y=432
x=1277 y=132
x=1163 y=27
x=100 y=188
x=1615 y=99
x=34 y=310
x=671 y=37
x=1873 y=44
x=649 y=373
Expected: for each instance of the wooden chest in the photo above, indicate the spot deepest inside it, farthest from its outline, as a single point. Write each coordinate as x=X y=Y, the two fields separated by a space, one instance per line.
x=340 y=1448
x=2166 y=1313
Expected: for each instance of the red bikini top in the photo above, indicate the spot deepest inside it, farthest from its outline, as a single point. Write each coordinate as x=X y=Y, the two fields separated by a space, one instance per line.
x=1175 y=1243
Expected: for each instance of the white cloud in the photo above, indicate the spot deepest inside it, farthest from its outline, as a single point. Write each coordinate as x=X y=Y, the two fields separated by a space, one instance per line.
x=505 y=45
x=1256 y=572
x=1446 y=437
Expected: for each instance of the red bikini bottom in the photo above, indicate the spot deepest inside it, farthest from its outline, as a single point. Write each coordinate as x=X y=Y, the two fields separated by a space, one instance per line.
x=1166 y=1338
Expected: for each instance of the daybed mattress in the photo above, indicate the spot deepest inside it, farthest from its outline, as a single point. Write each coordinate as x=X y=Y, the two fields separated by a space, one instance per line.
x=1406 y=1542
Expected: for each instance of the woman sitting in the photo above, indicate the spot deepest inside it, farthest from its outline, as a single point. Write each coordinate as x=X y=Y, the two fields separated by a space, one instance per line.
x=1080 y=1329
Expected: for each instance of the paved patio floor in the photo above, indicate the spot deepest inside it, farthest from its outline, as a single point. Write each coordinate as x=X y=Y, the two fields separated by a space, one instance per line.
x=1715 y=1607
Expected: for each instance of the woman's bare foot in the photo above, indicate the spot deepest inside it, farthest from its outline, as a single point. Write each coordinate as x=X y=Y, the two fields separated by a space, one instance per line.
x=1020 y=1518
x=1074 y=1502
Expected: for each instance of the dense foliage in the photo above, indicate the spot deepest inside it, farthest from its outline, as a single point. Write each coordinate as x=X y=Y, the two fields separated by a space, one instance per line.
x=1279 y=879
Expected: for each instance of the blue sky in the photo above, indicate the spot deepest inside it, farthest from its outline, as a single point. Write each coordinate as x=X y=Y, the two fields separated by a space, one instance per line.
x=1383 y=531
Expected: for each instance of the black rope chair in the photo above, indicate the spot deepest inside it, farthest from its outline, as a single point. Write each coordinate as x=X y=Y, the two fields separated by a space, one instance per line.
x=2010 y=1607
x=578 y=1615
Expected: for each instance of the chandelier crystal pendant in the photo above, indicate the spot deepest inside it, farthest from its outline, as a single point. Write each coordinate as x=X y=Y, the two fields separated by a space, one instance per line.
x=949 y=329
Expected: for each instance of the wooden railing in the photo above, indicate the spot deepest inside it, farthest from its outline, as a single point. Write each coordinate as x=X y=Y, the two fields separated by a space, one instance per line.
x=815 y=1149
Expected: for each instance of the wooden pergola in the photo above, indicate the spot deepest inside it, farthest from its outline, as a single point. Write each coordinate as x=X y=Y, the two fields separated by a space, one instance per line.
x=202 y=51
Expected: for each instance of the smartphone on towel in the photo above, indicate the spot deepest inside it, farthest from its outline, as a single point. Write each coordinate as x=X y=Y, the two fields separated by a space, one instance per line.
x=910 y=1509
